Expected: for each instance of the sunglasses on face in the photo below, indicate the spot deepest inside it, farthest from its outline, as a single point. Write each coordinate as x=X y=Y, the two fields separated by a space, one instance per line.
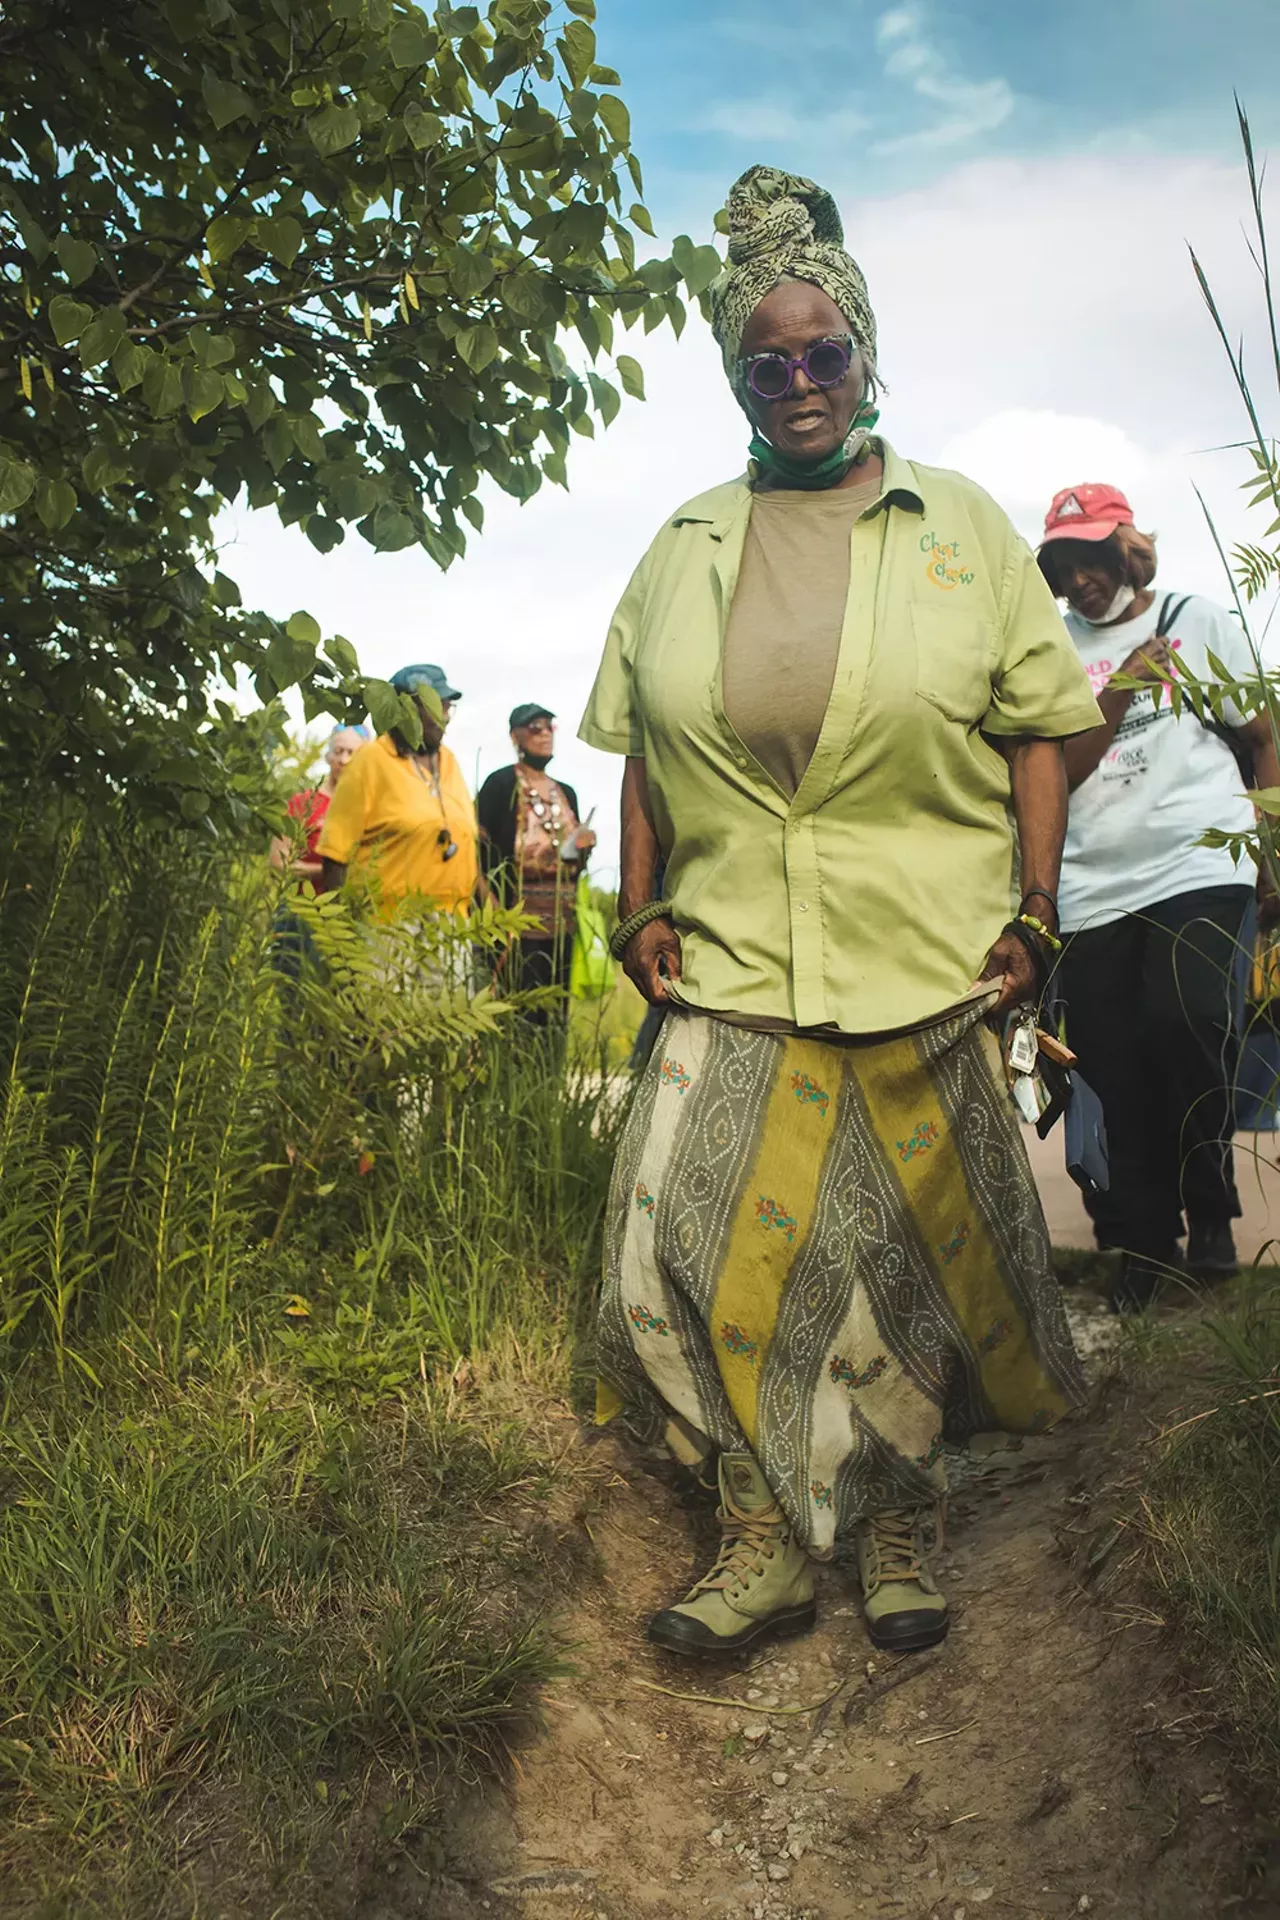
x=770 y=376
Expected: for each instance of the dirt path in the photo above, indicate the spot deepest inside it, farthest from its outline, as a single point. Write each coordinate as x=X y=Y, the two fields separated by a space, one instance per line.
x=1037 y=1766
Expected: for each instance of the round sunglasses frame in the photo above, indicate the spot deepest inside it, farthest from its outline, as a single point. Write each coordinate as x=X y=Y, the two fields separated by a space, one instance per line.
x=748 y=364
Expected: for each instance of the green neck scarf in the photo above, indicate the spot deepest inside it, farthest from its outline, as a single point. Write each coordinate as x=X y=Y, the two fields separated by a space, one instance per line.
x=810 y=476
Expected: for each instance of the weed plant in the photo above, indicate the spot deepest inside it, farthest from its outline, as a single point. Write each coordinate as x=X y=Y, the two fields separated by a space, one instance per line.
x=1213 y=1520
x=257 y=1572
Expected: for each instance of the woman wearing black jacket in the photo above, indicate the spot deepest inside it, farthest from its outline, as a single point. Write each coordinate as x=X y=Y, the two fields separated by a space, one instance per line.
x=532 y=848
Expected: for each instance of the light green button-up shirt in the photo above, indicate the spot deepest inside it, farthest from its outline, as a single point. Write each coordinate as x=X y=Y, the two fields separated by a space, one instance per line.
x=867 y=900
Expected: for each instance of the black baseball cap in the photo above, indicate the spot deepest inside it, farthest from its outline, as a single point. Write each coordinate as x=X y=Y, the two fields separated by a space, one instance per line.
x=531 y=710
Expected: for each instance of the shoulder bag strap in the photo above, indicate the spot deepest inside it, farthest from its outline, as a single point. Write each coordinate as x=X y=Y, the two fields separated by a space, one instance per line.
x=1240 y=752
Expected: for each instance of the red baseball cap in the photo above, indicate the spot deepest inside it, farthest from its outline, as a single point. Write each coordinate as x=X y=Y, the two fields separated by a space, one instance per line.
x=1088 y=512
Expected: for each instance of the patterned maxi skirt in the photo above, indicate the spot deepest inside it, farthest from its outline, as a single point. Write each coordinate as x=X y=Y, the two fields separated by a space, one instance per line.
x=833 y=1253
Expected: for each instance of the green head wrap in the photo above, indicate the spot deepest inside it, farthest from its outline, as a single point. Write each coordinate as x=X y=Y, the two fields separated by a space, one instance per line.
x=783 y=227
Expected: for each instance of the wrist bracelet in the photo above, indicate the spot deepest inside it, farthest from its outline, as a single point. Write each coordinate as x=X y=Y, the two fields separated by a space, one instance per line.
x=626 y=930
x=1039 y=927
x=1039 y=893
x=1034 y=950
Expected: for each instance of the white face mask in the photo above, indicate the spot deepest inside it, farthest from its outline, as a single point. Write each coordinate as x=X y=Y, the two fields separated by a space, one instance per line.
x=1125 y=597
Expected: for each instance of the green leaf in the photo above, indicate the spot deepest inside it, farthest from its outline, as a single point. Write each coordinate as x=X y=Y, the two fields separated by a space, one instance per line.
x=202 y=391
x=383 y=705
x=56 y=501
x=225 y=100
x=605 y=397
x=210 y=349
x=101 y=338
x=631 y=374
x=277 y=442
x=392 y=530
x=76 y=257
x=1265 y=799
x=478 y=346
x=617 y=120
x=101 y=467
x=342 y=654
x=577 y=49
x=225 y=235
x=281 y=237
x=522 y=293
x=260 y=405
x=333 y=129
x=68 y=318
x=16 y=481
x=409 y=44
x=323 y=533
x=423 y=128
x=128 y=363
x=470 y=271
x=225 y=591
x=308 y=437
x=585 y=9
x=162 y=385
x=639 y=217
x=303 y=627
x=703 y=268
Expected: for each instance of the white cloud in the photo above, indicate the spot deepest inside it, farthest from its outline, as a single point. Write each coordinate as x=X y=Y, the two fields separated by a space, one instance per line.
x=1025 y=342
x=969 y=107
x=770 y=120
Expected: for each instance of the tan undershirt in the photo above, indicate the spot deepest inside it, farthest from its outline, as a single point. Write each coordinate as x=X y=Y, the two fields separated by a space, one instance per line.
x=783 y=636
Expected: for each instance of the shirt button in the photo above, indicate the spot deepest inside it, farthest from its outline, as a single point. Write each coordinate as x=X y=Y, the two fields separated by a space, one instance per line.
x=804 y=906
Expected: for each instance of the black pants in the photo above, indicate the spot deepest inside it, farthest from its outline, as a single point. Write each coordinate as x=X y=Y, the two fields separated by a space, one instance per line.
x=1148 y=1005
x=543 y=963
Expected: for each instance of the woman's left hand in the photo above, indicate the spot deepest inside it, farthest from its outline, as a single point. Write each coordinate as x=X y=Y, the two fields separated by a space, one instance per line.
x=1011 y=964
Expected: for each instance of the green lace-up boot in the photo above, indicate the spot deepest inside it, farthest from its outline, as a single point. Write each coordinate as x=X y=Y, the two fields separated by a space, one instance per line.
x=904 y=1609
x=761 y=1583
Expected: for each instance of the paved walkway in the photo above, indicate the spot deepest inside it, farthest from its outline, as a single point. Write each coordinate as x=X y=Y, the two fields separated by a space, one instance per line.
x=1257 y=1176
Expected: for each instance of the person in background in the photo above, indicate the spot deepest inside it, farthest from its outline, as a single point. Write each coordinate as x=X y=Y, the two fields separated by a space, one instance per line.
x=532 y=848
x=310 y=805
x=1146 y=980
x=837 y=682
x=402 y=816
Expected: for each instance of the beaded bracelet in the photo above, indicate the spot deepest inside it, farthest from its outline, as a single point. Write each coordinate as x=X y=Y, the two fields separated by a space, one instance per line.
x=626 y=930
x=1039 y=927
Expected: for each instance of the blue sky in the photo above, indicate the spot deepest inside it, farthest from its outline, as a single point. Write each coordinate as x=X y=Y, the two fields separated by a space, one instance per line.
x=1019 y=184
x=715 y=84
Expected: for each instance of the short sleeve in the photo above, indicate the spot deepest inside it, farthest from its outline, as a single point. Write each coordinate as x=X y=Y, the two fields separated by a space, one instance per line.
x=1040 y=687
x=343 y=828
x=613 y=721
x=1226 y=640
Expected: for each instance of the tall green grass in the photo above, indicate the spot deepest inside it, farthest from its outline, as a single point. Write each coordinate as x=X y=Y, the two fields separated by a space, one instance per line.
x=261 y=1569
x=1212 y=1509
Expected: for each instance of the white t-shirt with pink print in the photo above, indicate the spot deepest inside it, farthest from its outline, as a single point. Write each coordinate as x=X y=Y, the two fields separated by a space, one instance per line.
x=1135 y=822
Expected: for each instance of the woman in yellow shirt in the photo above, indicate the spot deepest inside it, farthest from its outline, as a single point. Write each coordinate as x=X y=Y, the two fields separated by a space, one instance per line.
x=833 y=681
x=403 y=816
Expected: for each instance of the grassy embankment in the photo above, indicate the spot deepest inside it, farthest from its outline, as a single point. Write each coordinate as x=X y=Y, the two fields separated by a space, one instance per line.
x=283 y=1287
x=1209 y=1509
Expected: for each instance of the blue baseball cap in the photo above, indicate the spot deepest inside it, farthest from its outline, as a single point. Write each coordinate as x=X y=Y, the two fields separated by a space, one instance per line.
x=409 y=678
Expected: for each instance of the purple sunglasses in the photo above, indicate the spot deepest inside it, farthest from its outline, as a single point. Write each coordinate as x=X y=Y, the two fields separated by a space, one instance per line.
x=770 y=376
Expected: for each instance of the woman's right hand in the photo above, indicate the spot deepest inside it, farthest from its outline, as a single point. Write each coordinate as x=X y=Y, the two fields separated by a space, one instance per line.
x=651 y=958
x=1150 y=662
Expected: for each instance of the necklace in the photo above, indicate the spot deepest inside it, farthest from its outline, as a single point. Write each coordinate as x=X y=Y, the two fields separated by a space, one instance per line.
x=546 y=809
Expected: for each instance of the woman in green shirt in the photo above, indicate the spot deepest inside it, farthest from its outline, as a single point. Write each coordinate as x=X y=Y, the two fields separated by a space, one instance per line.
x=834 y=681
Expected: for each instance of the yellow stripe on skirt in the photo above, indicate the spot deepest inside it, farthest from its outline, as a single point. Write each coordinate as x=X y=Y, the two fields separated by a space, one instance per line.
x=832 y=1253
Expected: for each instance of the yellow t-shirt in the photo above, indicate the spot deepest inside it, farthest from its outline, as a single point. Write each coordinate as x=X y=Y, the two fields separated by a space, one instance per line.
x=386 y=819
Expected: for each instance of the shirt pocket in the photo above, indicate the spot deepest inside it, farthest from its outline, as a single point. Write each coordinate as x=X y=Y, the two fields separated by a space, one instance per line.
x=953 y=661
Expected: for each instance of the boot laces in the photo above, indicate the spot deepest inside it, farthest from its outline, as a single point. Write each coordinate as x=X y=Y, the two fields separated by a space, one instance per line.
x=747 y=1540
x=898 y=1546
